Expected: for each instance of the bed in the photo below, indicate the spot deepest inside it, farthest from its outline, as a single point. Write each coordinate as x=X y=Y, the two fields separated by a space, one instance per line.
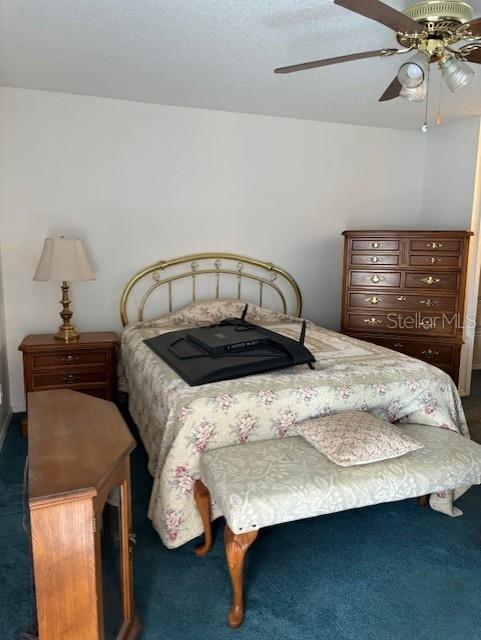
x=177 y=423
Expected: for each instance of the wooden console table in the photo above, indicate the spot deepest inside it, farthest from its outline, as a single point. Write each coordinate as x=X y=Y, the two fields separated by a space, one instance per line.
x=79 y=499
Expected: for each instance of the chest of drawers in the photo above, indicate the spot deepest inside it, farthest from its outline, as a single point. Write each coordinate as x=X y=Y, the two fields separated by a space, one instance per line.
x=405 y=290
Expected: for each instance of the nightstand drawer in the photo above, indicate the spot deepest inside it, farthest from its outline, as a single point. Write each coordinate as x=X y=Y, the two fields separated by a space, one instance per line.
x=68 y=379
x=68 y=358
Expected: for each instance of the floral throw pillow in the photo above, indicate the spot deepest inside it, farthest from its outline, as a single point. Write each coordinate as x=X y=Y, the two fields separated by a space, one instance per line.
x=356 y=437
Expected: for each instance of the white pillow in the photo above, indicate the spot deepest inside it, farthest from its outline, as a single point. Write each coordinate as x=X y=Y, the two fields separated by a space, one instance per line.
x=356 y=437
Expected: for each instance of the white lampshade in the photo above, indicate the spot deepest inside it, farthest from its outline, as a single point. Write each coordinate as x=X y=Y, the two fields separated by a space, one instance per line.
x=63 y=259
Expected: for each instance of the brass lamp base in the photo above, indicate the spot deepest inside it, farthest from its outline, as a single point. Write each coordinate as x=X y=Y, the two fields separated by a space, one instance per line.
x=66 y=332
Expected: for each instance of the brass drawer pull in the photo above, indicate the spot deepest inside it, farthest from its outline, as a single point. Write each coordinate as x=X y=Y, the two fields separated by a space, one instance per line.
x=375 y=279
x=428 y=323
x=429 y=353
x=71 y=378
x=376 y=245
x=374 y=259
x=434 y=260
x=398 y=345
x=429 y=302
x=70 y=358
x=431 y=280
x=373 y=300
x=372 y=322
x=434 y=245
x=401 y=298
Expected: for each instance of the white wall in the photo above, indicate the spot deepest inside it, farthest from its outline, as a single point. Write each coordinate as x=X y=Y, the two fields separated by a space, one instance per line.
x=452 y=199
x=449 y=176
x=141 y=182
x=5 y=403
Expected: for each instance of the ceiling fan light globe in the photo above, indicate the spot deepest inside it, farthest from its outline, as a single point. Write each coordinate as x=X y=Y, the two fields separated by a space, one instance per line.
x=414 y=94
x=413 y=72
x=456 y=73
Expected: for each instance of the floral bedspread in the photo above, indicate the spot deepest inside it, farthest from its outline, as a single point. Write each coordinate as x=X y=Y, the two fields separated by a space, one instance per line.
x=178 y=423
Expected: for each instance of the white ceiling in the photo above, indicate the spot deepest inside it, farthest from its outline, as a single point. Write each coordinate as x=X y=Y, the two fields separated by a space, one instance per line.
x=216 y=54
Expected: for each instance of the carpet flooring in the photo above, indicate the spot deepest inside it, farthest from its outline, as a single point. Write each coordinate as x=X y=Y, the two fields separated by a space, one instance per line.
x=388 y=572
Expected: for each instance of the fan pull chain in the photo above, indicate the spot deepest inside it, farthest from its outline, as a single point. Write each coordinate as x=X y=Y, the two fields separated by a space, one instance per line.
x=425 y=126
x=438 y=115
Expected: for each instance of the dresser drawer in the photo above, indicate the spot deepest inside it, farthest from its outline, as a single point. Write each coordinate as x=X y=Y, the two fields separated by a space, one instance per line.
x=56 y=359
x=419 y=260
x=394 y=301
x=435 y=245
x=430 y=280
x=416 y=323
x=375 y=278
x=363 y=259
x=439 y=355
x=380 y=244
x=68 y=378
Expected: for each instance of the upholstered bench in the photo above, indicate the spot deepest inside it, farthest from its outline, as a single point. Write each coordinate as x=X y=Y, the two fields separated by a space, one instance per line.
x=263 y=483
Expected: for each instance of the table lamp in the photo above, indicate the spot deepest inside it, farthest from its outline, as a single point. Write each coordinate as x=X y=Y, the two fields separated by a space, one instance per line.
x=64 y=260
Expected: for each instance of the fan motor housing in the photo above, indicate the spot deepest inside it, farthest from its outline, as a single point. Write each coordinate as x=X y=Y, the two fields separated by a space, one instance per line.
x=442 y=11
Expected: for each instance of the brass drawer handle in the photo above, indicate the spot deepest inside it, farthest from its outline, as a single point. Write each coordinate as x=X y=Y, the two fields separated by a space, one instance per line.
x=70 y=378
x=429 y=302
x=70 y=358
x=429 y=353
x=398 y=345
x=434 y=245
x=373 y=300
x=376 y=245
x=372 y=322
x=431 y=280
x=434 y=260
x=401 y=298
x=374 y=259
x=375 y=279
x=428 y=323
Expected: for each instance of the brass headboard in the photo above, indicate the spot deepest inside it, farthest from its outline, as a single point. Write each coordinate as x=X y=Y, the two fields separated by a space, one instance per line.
x=203 y=269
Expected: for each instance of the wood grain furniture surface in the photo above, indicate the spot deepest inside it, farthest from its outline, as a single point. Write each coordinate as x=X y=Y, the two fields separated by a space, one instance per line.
x=78 y=452
x=405 y=290
x=88 y=365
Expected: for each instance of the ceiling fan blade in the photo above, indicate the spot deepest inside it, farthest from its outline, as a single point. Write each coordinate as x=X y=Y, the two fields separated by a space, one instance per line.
x=382 y=13
x=392 y=91
x=475 y=27
x=473 y=56
x=327 y=61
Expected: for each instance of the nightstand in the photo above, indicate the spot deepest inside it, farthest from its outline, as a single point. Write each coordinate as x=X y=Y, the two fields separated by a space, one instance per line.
x=88 y=365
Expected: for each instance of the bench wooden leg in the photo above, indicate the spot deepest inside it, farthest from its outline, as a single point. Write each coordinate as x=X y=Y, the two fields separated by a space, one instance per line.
x=236 y=545
x=423 y=501
x=202 y=500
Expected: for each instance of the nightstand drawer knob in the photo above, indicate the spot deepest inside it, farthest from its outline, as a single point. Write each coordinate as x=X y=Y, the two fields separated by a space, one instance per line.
x=70 y=358
x=71 y=379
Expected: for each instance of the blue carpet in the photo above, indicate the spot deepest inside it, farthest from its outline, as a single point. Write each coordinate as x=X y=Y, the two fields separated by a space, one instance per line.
x=389 y=572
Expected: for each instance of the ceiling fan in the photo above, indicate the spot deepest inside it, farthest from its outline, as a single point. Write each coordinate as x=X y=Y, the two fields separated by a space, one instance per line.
x=429 y=29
